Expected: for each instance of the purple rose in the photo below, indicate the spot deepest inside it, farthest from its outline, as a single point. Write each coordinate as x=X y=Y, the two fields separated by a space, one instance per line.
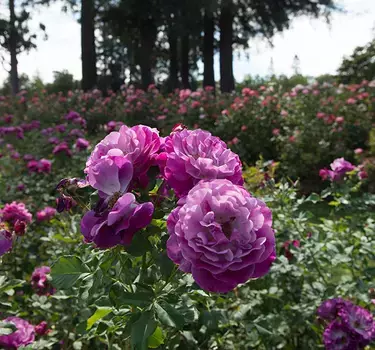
x=116 y=225
x=5 y=241
x=330 y=308
x=110 y=174
x=222 y=235
x=138 y=144
x=46 y=214
x=340 y=167
x=42 y=328
x=15 y=211
x=44 y=166
x=40 y=281
x=82 y=144
x=360 y=322
x=62 y=148
x=24 y=334
x=337 y=337
x=191 y=156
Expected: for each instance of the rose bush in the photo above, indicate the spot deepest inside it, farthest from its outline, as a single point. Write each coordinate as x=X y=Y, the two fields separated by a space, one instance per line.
x=160 y=243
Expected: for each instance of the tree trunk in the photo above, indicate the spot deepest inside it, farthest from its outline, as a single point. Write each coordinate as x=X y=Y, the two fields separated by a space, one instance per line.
x=185 y=48
x=226 y=50
x=208 y=50
x=14 y=80
x=173 y=60
x=148 y=36
x=88 y=45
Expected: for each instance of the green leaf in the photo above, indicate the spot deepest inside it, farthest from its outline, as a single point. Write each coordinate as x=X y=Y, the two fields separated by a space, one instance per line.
x=66 y=271
x=166 y=265
x=139 y=246
x=156 y=339
x=314 y=197
x=98 y=315
x=142 y=330
x=262 y=330
x=120 y=297
x=169 y=316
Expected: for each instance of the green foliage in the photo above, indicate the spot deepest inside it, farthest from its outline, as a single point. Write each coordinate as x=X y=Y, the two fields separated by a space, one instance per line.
x=360 y=65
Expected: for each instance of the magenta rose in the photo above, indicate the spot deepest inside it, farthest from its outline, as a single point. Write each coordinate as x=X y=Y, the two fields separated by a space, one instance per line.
x=116 y=225
x=340 y=167
x=222 y=235
x=82 y=143
x=40 y=281
x=24 y=335
x=15 y=211
x=191 y=156
x=138 y=144
x=46 y=214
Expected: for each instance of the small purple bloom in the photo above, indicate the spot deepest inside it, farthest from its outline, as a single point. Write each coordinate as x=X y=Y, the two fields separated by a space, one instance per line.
x=330 y=308
x=116 y=225
x=340 y=167
x=82 y=144
x=40 y=281
x=24 y=334
x=191 y=156
x=46 y=214
x=62 y=148
x=42 y=328
x=222 y=235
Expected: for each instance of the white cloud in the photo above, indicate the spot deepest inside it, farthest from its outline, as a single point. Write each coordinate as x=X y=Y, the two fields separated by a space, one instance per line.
x=320 y=47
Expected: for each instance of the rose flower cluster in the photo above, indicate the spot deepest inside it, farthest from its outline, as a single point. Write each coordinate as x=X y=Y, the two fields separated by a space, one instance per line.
x=218 y=232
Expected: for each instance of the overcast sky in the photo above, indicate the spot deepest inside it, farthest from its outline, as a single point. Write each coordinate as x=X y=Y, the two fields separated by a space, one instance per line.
x=319 y=46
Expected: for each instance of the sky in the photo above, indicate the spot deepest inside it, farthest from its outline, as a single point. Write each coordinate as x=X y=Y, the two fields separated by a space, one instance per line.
x=319 y=46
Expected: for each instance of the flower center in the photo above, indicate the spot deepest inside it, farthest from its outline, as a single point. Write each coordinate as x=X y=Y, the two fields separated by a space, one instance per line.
x=226 y=227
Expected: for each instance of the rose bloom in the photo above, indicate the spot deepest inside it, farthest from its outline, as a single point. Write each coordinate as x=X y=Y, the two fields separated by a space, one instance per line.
x=191 y=156
x=337 y=337
x=40 y=282
x=82 y=144
x=15 y=211
x=42 y=328
x=138 y=144
x=23 y=336
x=46 y=214
x=221 y=235
x=117 y=225
x=358 y=151
x=62 y=148
x=340 y=166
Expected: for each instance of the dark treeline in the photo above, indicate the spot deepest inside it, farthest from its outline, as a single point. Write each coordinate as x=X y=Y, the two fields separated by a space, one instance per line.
x=159 y=41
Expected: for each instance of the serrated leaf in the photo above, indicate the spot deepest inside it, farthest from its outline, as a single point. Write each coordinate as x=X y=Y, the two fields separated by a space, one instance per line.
x=66 y=271
x=98 y=315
